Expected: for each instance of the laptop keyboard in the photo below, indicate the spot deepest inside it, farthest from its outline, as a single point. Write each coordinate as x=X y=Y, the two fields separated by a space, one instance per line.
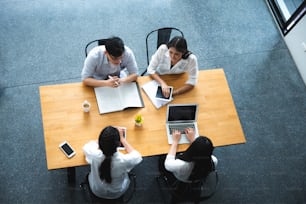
x=180 y=127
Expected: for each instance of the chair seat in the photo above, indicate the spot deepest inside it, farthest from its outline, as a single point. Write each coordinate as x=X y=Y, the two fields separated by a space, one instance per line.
x=195 y=191
x=125 y=198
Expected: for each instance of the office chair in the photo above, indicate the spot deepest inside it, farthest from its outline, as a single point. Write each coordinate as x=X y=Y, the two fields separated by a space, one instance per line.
x=195 y=191
x=89 y=45
x=125 y=198
x=158 y=37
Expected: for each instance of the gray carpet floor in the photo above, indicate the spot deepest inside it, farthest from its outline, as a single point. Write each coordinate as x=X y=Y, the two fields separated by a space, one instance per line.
x=42 y=42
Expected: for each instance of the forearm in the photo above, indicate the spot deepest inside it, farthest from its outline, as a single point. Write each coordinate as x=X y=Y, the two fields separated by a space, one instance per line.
x=127 y=146
x=157 y=78
x=173 y=148
x=130 y=78
x=94 y=82
x=183 y=89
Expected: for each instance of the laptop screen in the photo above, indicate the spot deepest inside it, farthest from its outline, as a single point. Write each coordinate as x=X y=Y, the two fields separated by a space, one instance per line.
x=183 y=112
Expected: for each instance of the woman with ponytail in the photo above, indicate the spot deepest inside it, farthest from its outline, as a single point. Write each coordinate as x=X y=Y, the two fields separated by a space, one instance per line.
x=108 y=177
x=174 y=58
x=195 y=163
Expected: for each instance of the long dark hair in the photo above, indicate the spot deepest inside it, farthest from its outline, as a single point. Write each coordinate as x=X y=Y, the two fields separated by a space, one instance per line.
x=180 y=44
x=109 y=140
x=199 y=152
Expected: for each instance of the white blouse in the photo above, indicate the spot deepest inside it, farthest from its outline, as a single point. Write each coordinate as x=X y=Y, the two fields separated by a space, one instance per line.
x=120 y=166
x=182 y=169
x=161 y=64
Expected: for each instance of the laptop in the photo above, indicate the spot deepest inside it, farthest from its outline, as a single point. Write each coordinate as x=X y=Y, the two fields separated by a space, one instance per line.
x=181 y=116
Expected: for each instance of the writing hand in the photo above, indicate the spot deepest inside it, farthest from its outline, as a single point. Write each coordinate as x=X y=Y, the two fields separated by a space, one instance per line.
x=113 y=81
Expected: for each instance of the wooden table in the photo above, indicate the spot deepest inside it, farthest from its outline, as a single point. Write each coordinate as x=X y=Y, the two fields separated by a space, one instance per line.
x=64 y=119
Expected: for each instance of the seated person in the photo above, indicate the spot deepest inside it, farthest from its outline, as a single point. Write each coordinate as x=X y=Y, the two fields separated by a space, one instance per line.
x=108 y=177
x=196 y=162
x=174 y=58
x=104 y=63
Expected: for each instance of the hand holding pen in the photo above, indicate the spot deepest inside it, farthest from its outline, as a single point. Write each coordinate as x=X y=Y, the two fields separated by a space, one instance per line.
x=114 y=81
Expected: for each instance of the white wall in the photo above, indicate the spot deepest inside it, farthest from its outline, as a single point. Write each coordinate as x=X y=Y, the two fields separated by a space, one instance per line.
x=294 y=40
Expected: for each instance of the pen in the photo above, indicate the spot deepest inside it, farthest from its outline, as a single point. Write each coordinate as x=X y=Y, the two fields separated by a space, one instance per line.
x=110 y=77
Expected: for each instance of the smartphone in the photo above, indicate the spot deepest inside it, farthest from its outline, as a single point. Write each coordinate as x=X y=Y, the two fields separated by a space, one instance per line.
x=121 y=147
x=67 y=149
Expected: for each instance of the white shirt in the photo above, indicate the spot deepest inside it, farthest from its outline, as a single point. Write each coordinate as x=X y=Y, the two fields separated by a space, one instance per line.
x=120 y=166
x=161 y=64
x=182 y=169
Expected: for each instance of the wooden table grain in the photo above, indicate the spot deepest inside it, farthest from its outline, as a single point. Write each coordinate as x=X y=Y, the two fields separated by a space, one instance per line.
x=64 y=119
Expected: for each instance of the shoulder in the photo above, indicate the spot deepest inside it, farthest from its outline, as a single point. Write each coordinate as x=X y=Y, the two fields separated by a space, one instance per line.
x=96 y=52
x=128 y=53
x=92 y=148
x=172 y=164
x=170 y=159
x=135 y=154
x=163 y=48
x=99 y=49
x=192 y=57
x=191 y=60
x=127 y=50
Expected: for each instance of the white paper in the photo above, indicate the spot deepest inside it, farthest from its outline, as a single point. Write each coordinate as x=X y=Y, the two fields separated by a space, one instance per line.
x=150 y=89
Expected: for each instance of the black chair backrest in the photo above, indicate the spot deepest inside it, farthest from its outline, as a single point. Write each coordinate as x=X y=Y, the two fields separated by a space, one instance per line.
x=99 y=42
x=197 y=190
x=163 y=37
x=203 y=173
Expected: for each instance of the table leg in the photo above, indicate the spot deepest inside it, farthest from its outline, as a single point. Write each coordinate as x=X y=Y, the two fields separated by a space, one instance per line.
x=71 y=175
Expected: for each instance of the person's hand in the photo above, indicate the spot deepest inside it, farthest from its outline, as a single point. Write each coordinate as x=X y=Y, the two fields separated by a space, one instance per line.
x=113 y=81
x=121 y=133
x=176 y=135
x=165 y=90
x=190 y=134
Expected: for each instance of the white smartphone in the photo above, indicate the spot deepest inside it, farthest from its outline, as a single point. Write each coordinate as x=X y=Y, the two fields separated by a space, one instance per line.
x=67 y=149
x=121 y=147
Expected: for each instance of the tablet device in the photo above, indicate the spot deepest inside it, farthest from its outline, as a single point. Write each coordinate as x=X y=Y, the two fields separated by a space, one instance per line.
x=121 y=147
x=159 y=94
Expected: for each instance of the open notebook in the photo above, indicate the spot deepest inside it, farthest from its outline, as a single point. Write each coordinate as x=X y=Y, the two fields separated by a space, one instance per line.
x=110 y=99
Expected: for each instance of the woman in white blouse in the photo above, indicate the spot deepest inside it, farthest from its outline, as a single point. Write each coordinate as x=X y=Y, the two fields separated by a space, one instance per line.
x=108 y=177
x=196 y=162
x=174 y=58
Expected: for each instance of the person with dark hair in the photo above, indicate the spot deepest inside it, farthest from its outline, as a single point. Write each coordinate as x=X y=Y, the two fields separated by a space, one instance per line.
x=174 y=58
x=108 y=177
x=110 y=65
x=196 y=162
